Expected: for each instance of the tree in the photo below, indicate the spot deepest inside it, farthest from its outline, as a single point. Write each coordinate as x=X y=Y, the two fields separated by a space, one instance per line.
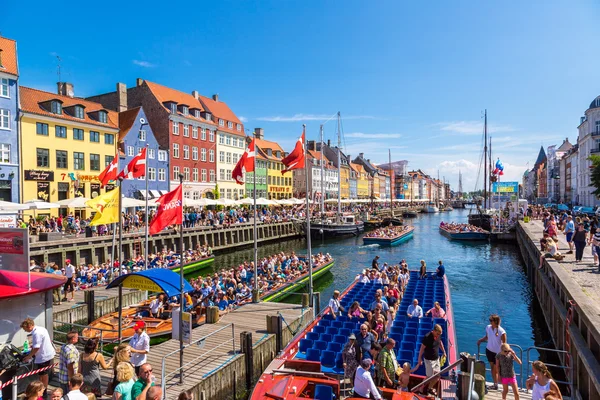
x=217 y=195
x=595 y=167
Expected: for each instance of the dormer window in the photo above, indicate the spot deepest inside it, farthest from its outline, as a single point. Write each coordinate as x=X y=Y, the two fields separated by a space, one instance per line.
x=230 y=125
x=239 y=127
x=278 y=154
x=79 y=112
x=102 y=116
x=208 y=116
x=185 y=110
x=269 y=152
x=56 y=107
x=197 y=113
x=221 y=122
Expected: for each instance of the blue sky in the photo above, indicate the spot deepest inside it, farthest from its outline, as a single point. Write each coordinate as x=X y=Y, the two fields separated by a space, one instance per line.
x=410 y=76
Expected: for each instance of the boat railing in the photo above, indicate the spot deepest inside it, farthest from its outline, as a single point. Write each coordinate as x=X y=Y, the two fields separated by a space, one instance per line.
x=520 y=376
x=59 y=332
x=180 y=371
x=439 y=374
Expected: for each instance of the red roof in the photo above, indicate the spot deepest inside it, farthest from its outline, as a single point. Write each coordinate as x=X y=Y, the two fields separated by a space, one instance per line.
x=32 y=99
x=14 y=283
x=9 y=56
x=221 y=110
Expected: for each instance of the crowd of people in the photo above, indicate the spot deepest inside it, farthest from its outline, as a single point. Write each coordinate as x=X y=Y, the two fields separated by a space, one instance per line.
x=454 y=227
x=387 y=232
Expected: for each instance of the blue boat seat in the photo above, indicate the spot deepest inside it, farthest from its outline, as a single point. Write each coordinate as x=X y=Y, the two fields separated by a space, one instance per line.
x=326 y=337
x=319 y=329
x=396 y=329
x=328 y=359
x=334 y=346
x=408 y=346
x=330 y=330
x=350 y=325
x=304 y=345
x=313 y=354
x=345 y=332
x=405 y=355
x=410 y=331
x=325 y=323
x=312 y=336
x=319 y=344
x=409 y=338
x=341 y=339
x=337 y=324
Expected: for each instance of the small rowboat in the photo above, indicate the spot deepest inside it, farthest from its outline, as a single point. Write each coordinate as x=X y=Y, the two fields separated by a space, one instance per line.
x=406 y=234
x=466 y=235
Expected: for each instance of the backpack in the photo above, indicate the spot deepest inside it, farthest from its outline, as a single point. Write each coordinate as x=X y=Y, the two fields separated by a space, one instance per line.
x=10 y=356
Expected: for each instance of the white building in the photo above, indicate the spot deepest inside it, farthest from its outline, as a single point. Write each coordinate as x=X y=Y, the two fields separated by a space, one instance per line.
x=315 y=188
x=554 y=156
x=589 y=143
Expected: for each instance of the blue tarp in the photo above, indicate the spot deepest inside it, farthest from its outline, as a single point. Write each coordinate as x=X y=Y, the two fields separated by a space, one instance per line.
x=154 y=280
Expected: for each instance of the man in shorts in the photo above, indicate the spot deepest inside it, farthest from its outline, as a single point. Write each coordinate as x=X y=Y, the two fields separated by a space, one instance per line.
x=569 y=231
x=430 y=347
x=42 y=349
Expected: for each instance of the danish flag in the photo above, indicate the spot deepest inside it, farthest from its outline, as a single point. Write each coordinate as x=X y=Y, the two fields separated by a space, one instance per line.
x=170 y=211
x=295 y=160
x=110 y=172
x=245 y=164
x=136 y=167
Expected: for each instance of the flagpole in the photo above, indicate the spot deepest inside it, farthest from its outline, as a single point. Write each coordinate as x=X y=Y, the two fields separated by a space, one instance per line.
x=308 y=244
x=120 y=250
x=181 y=280
x=255 y=295
x=146 y=214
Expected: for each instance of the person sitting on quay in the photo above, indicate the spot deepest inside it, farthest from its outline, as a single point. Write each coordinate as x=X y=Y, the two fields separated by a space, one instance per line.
x=414 y=310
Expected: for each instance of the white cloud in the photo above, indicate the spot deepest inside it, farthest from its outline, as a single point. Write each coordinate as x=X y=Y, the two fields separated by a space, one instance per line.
x=471 y=127
x=363 y=135
x=243 y=119
x=144 y=64
x=309 y=117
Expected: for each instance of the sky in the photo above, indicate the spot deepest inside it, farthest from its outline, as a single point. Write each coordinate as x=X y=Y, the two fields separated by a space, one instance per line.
x=411 y=77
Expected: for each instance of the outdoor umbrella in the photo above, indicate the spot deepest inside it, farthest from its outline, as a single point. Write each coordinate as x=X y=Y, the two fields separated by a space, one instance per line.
x=8 y=206
x=76 y=202
x=226 y=202
x=40 y=205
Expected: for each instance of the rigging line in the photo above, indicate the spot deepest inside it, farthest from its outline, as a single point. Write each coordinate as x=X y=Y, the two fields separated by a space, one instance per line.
x=330 y=118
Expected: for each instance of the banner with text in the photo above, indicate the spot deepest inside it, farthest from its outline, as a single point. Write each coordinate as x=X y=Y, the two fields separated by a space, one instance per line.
x=14 y=249
x=505 y=187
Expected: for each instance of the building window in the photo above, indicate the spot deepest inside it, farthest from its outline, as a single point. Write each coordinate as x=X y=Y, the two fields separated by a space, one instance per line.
x=221 y=138
x=185 y=110
x=162 y=155
x=222 y=156
x=41 y=128
x=60 y=131
x=230 y=125
x=197 y=113
x=175 y=150
x=108 y=160
x=43 y=158
x=211 y=136
x=228 y=175
x=173 y=108
x=194 y=132
x=79 y=112
x=211 y=156
x=175 y=128
x=186 y=174
x=186 y=152
x=194 y=153
x=162 y=174
x=228 y=158
x=103 y=116
x=130 y=151
x=78 y=161
x=95 y=162
x=175 y=173
x=212 y=175
x=186 y=130
x=109 y=138
x=221 y=122
x=151 y=174
x=221 y=174
x=61 y=159
x=4 y=88
x=229 y=193
x=56 y=107
x=202 y=133
x=4 y=152
x=598 y=126
x=94 y=136
x=208 y=117
x=4 y=119
x=235 y=158
x=222 y=193
x=77 y=134
x=151 y=154
x=228 y=140
x=195 y=174
x=203 y=175
x=239 y=127
x=142 y=135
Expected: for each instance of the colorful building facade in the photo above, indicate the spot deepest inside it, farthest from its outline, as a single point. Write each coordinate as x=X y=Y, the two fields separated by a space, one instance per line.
x=9 y=122
x=261 y=177
x=71 y=141
x=279 y=186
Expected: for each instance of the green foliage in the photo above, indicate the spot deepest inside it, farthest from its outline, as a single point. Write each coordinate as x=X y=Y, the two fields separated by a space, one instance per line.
x=217 y=196
x=595 y=159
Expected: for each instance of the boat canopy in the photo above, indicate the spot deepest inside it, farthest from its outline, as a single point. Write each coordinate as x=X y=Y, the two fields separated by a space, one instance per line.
x=16 y=283
x=154 y=280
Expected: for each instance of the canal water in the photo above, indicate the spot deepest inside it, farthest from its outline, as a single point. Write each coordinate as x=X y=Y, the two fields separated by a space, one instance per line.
x=484 y=278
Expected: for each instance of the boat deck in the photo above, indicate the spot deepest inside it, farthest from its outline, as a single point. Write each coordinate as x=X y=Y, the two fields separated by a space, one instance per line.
x=449 y=392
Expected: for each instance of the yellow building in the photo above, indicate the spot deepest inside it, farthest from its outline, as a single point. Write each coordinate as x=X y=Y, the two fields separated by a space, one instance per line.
x=278 y=186
x=362 y=181
x=345 y=181
x=66 y=143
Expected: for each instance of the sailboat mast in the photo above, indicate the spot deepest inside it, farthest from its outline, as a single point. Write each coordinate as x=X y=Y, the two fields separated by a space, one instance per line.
x=491 y=169
x=322 y=179
x=485 y=172
x=339 y=165
x=391 y=188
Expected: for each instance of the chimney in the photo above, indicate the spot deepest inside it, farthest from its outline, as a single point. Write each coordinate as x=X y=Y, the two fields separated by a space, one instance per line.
x=216 y=97
x=122 y=95
x=195 y=94
x=361 y=155
x=310 y=144
x=328 y=142
x=139 y=81
x=259 y=133
x=65 y=89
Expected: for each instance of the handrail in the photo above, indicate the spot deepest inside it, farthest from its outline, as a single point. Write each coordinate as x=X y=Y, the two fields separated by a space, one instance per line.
x=435 y=376
x=520 y=374
x=568 y=370
x=101 y=342
x=198 y=342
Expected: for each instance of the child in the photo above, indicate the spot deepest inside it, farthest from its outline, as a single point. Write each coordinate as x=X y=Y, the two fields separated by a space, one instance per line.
x=404 y=376
x=504 y=362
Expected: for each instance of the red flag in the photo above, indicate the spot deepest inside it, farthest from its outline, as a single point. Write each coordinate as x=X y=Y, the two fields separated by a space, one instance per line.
x=136 y=167
x=170 y=211
x=110 y=172
x=245 y=164
x=295 y=160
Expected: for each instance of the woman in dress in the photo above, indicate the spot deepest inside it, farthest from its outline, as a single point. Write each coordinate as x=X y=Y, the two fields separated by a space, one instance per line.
x=125 y=375
x=89 y=366
x=350 y=355
x=504 y=363
x=495 y=336
x=541 y=382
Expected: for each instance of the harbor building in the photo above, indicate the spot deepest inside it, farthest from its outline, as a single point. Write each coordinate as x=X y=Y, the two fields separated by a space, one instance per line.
x=9 y=124
x=589 y=143
x=71 y=141
x=344 y=168
x=279 y=186
x=261 y=175
x=362 y=181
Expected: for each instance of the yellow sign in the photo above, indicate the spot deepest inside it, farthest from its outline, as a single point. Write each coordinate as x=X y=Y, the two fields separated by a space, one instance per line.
x=141 y=283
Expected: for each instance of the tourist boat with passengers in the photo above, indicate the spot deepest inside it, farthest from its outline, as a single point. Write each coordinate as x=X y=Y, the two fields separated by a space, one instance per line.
x=195 y=265
x=400 y=235
x=311 y=366
x=472 y=233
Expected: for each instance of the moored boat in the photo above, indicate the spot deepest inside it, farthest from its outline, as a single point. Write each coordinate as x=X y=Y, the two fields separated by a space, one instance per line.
x=372 y=223
x=410 y=214
x=195 y=265
x=289 y=288
x=431 y=209
x=348 y=225
x=392 y=220
x=400 y=234
x=458 y=233
x=305 y=367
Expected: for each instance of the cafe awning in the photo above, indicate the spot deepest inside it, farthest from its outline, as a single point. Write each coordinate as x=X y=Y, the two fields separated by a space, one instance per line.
x=153 y=280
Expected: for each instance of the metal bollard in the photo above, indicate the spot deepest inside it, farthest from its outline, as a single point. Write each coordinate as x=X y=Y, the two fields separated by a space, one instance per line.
x=15 y=389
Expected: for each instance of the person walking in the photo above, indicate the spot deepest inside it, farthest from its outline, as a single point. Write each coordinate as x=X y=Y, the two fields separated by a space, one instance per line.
x=569 y=230
x=364 y=386
x=42 y=351
x=68 y=364
x=388 y=365
x=122 y=354
x=140 y=346
x=579 y=239
x=364 y=341
x=541 y=383
x=495 y=336
x=35 y=391
x=350 y=357
x=504 y=363
x=596 y=246
x=90 y=363
x=430 y=352
x=69 y=285
x=75 y=393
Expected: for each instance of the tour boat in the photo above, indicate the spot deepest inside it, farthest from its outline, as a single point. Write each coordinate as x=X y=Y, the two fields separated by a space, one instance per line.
x=312 y=362
x=410 y=214
x=290 y=287
x=431 y=208
x=195 y=265
x=372 y=223
x=464 y=235
x=347 y=225
x=406 y=234
x=393 y=221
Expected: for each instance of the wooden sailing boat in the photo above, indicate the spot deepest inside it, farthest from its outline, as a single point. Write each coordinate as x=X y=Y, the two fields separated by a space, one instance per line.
x=481 y=218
